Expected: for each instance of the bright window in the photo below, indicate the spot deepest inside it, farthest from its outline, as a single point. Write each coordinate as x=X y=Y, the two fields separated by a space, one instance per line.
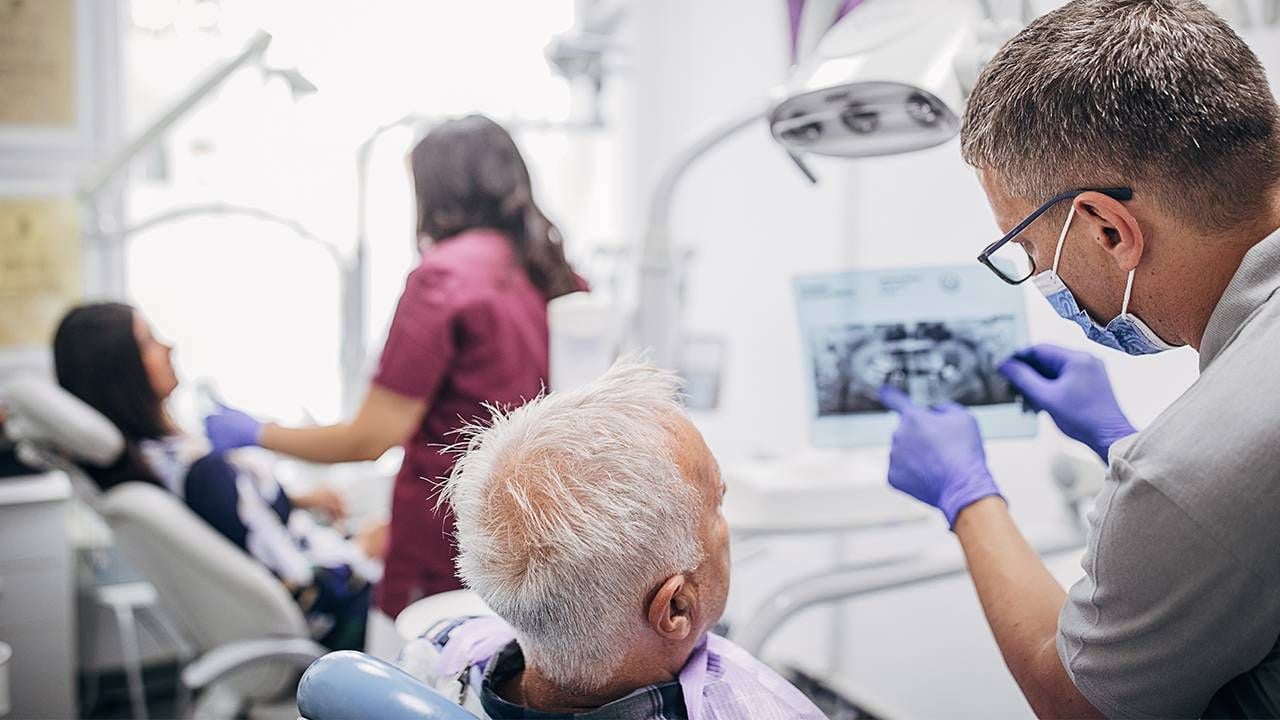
x=251 y=304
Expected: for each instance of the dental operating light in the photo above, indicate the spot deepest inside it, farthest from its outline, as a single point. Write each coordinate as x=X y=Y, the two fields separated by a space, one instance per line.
x=890 y=77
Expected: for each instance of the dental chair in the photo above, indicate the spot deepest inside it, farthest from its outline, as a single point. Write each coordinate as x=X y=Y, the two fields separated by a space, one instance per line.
x=351 y=684
x=348 y=684
x=251 y=640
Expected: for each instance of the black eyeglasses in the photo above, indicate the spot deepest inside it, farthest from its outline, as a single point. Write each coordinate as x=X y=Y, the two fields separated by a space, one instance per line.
x=1010 y=261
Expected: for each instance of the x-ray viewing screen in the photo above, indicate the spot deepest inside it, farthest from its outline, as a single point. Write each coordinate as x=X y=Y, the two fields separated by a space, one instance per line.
x=937 y=334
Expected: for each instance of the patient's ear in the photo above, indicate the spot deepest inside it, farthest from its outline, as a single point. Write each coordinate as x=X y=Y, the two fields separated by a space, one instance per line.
x=671 y=610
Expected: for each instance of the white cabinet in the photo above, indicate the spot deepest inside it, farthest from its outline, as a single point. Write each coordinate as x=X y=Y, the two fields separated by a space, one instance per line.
x=37 y=595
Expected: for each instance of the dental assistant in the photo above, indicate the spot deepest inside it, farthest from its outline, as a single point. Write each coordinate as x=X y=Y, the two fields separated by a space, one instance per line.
x=1130 y=148
x=470 y=329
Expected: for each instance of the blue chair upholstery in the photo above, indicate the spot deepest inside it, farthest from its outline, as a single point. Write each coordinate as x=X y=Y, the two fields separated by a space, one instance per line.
x=347 y=684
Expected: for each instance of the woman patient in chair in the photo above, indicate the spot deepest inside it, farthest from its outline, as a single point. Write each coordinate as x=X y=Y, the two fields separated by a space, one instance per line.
x=590 y=522
x=105 y=354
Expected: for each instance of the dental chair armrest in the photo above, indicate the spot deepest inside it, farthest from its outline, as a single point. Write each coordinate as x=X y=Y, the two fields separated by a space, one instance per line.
x=221 y=661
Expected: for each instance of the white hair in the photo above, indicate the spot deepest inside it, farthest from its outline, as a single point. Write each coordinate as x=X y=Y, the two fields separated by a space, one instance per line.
x=569 y=510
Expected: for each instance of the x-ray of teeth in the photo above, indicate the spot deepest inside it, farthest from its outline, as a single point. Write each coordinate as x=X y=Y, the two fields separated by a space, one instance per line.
x=933 y=362
x=936 y=333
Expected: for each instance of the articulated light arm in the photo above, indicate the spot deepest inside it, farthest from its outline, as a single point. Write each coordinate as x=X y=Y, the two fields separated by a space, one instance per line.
x=218 y=209
x=660 y=301
x=120 y=159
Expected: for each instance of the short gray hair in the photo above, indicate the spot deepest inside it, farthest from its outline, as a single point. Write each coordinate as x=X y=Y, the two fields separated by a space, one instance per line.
x=569 y=510
x=1158 y=95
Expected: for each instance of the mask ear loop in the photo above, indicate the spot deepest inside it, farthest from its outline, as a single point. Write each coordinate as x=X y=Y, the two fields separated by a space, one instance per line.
x=1057 y=254
x=1128 y=292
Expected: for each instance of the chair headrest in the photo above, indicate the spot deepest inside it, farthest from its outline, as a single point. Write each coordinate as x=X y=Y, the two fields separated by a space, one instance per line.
x=350 y=684
x=42 y=413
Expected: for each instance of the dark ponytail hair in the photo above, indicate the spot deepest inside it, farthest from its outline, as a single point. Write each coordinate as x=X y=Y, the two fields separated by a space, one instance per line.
x=467 y=174
x=96 y=358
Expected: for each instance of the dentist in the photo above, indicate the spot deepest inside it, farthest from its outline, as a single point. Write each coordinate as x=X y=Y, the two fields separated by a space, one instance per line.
x=1130 y=147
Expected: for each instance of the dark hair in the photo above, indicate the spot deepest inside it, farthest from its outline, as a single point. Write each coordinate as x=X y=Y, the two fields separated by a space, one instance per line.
x=468 y=173
x=96 y=358
x=1158 y=95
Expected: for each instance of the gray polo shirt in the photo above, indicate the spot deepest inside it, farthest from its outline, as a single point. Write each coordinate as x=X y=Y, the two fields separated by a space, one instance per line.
x=1179 y=615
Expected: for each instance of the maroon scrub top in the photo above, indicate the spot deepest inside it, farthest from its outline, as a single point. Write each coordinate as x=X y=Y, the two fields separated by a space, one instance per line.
x=470 y=329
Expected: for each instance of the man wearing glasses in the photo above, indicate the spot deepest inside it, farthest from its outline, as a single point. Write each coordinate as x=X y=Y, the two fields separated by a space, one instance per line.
x=1131 y=148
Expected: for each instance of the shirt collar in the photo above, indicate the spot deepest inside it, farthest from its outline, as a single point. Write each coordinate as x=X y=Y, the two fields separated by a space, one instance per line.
x=1255 y=281
x=654 y=702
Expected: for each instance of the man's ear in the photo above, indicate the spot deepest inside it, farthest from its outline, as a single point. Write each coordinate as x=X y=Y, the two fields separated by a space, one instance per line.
x=671 y=610
x=1112 y=227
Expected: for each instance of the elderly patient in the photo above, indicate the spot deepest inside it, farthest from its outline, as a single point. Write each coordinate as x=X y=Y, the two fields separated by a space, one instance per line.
x=590 y=522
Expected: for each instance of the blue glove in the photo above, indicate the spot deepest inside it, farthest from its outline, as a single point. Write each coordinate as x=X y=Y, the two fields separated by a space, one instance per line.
x=229 y=429
x=1073 y=388
x=937 y=455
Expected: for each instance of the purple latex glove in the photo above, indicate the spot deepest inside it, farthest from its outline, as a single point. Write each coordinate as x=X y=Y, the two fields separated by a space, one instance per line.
x=1074 y=389
x=229 y=429
x=937 y=455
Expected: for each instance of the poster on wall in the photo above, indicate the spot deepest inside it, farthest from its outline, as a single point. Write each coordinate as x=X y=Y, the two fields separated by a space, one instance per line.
x=38 y=68
x=40 y=268
x=936 y=334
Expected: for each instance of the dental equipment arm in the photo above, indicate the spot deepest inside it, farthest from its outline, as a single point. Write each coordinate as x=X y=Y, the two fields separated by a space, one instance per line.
x=94 y=183
x=661 y=298
x=385 y=419
x=1021 y=601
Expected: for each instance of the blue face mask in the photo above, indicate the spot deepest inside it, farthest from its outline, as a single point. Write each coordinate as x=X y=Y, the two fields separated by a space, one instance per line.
x=1126 y=333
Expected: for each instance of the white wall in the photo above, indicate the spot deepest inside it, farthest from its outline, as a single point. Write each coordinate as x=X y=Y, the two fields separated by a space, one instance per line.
x=746 y=211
